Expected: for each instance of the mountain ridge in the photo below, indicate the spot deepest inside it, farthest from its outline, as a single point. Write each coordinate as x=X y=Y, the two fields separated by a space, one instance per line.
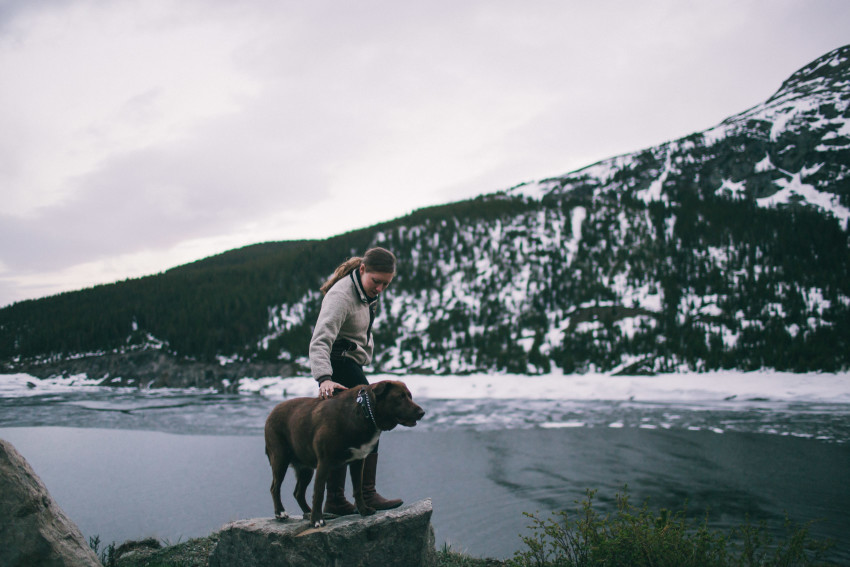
x=727 y=248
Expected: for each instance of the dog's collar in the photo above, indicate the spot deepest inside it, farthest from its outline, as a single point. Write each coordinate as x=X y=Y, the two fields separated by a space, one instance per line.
x=363 y=402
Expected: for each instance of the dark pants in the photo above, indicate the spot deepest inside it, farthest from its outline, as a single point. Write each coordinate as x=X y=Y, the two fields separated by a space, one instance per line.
x=349 y=374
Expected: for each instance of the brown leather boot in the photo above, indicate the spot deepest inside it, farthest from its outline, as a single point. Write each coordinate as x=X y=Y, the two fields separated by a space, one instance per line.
x=335 y=502
x=370 y=496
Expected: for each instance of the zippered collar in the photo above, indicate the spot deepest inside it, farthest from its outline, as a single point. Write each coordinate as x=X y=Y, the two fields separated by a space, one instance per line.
x=358 y=285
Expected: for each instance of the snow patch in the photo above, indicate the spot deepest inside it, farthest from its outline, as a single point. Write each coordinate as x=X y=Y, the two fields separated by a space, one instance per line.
x=731 y=188
x=794 y=189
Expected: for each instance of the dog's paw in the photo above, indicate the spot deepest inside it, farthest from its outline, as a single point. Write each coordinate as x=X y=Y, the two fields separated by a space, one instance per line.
x=319 y=523
x=282 y=516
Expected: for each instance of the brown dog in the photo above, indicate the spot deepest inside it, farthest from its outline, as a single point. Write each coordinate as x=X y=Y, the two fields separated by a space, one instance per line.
x=312 y=433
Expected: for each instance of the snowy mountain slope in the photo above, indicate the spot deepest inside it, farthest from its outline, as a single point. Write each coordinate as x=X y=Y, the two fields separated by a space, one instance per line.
x=792 y=149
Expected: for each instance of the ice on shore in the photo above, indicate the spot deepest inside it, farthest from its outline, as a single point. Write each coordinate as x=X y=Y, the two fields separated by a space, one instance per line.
x=696 y=387
x=681 y=387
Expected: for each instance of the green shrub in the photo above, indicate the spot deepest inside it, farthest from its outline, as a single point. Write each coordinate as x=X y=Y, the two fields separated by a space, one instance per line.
x=639 y=537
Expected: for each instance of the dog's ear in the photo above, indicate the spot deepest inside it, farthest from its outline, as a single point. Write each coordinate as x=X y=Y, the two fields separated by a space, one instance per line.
x=380 y=389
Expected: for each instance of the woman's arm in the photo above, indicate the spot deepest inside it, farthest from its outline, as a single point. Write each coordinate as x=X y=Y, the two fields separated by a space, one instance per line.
x=332 y=315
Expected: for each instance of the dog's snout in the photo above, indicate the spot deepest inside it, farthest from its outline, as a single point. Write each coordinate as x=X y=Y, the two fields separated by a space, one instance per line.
x=418 y=412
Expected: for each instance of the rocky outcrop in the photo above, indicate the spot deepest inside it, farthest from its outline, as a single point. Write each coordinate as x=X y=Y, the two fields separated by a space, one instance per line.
x=402 y=537
x=33 y=529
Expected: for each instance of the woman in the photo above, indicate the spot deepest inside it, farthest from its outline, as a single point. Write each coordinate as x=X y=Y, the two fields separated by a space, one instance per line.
x=342 y=344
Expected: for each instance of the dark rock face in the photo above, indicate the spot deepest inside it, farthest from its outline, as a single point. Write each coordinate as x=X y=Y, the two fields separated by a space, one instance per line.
x=33 y=529
x=402 y=537
x=155 y=369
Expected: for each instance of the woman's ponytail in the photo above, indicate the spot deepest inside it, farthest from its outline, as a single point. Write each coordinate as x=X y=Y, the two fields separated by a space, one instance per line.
x=341 y=271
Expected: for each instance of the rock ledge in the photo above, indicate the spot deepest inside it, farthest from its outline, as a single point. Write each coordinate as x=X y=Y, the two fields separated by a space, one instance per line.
x=402 y=537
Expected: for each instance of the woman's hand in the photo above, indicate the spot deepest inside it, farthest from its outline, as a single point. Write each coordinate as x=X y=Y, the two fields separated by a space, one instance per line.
x=326 y=388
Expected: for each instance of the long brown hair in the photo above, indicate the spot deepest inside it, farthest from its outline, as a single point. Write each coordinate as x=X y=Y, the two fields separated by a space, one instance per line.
x=376 y=259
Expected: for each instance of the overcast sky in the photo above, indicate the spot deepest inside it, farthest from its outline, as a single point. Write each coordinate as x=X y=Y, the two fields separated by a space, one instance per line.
x=136 y=136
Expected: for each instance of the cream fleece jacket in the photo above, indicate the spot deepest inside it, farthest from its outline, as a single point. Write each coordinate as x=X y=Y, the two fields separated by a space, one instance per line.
x=346 y=313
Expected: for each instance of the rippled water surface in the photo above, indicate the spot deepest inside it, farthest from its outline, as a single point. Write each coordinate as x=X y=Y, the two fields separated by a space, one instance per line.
x=233 y=414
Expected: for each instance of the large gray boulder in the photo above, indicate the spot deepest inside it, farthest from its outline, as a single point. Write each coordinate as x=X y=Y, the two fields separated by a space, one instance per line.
x=34 y=531
x=402 y=537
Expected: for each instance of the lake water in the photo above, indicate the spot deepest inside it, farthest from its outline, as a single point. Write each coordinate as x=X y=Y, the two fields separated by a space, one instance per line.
x=128 y=464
